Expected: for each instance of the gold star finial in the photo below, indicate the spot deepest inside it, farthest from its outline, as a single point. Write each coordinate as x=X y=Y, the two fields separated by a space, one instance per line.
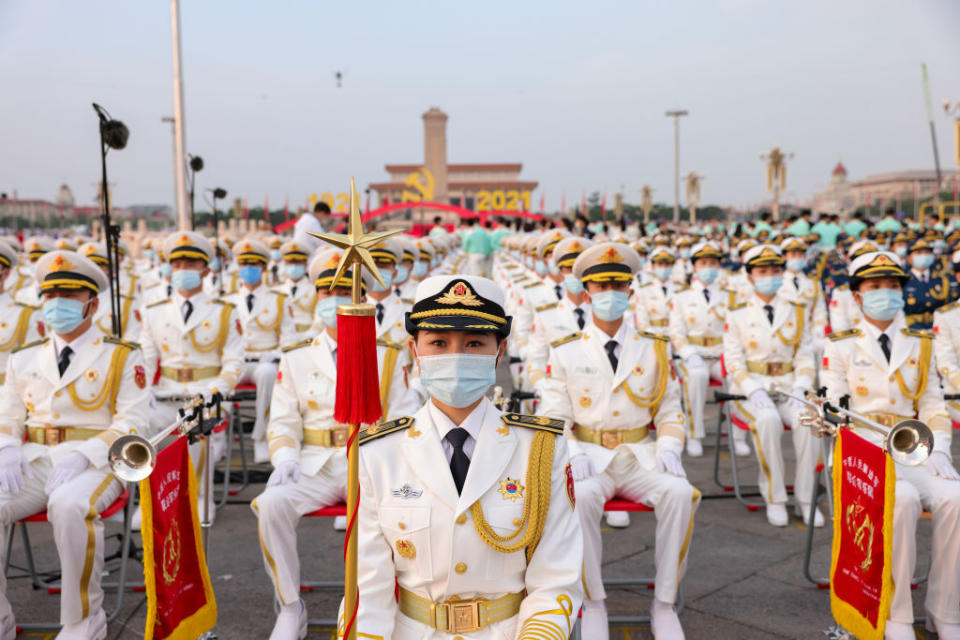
x=355 y=243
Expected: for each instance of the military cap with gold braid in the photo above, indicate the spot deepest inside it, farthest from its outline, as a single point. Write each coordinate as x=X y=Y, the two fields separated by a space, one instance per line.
x=408 y=247
x=662 y=254
x=549 y=240
x=607 y=262
x=69 y=270
x=187 y=244
x=458 y=303
x=387 y=251
x=793 y=244
x=706 y=249
x=249 y=251
x=8 y=255
x=879 y=264
x=95 y=251
x=567 y=250
x=324 y=266
x=920 y=244
x=293 y=250
x=762 y=255
x=37 y=247
x=862 y=247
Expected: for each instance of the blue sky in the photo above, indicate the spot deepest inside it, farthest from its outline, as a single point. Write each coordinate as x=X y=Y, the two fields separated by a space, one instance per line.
x=574 y=90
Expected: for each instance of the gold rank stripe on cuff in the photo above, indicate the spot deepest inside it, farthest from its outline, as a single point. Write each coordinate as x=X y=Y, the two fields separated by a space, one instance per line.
x=533 y=422
x=459 y=616
x=386 y=428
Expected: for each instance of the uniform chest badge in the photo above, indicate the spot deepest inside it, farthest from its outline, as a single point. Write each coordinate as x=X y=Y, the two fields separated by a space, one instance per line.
x=511 y=489
x=912 y=362
x=312 y=405
x=205 y=324
x=638 y=370
x=585 y=401
x=406 y=549
x=406 y=491
x=90 y=375
x=752 y=345
x=862 y=390
x=571 y=495
x=3 y=325
x=140 y=376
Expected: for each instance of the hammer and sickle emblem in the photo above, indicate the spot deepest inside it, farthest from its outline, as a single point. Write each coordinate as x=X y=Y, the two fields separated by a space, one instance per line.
x=421 y=181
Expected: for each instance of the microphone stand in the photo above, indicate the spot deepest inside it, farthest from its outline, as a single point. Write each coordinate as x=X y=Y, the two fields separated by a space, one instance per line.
x=111 y=231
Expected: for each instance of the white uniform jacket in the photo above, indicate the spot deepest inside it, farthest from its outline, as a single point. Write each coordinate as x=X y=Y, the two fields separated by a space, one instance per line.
x=844 y=311
x=809 y=292
x=696 y=326
x=266 y=327
x=651 y=305
x=551 y=324
x=301 y=302
x=946 y=328
x=20 y=324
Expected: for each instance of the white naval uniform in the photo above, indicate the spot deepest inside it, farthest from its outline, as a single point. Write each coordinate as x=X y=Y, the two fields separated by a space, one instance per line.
x=750 y=341
x=855 y=366
x=946 y=327
x=20 y=276
x=584 y=391
x=130 y=316
x=844 y=312
x=301 y=416
x=554 y=323
x=651 y=305
x=696 y=328
x=99 y=404
x=534 y=297
x=301 y=303
x=799 y=287
x=231 y=282
x=19 y=325
x=408 y=499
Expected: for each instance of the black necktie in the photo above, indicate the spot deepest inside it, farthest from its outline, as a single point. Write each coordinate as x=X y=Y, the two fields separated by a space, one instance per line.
x=64 y=360
x=664 y=291
x=559 y=292
x=397 y=291
x=885 y=345
x=706 y=295
x=769 y=309
x=250 y=302
x=611 y=356
x=293 y=291
x=187 y=310
x=459 y=463
x=796 y=283
x=379 y=313
x=169 y=290
x=580 y=320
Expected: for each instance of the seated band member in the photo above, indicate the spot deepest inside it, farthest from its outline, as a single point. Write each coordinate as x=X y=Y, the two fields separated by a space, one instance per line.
x=887 y=371
x=611 y=384
x=306 y=443
x=465 y=513
x=71 y=395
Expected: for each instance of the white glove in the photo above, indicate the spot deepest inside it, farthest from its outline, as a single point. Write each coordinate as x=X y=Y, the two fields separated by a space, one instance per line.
x=939 y=464
x=581 y=466
x=11 y=470
x=761 y=399
x=288 y=471
x=669 y=462
x=695 y=362
x=72 y=465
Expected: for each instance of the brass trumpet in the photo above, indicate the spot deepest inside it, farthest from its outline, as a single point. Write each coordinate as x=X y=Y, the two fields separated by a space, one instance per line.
x=133 y=458
x=909 y=442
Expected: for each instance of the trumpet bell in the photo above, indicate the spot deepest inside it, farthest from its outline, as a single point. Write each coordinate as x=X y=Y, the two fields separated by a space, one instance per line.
x=132 y=458
x=909 y=442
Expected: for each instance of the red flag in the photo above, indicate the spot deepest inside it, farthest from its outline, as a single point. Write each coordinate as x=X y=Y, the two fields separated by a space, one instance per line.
x=366 y=208
x=563 y=202
x=246 y=210
x=603 y=206
x=266 y=208
x=286 y=208
x=543 y=201
x=583 y=203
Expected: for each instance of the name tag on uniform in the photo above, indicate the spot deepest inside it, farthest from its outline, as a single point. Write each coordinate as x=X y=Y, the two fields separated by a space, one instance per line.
x=862 y=362
x=407 y=492
x=589 y=371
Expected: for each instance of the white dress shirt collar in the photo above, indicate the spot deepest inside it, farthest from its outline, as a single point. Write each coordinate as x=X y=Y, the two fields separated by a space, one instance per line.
x=473 y=424
x=77 y=343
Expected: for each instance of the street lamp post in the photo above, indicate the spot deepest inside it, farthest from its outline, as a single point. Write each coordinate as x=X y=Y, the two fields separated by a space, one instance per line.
x=954 y=110
x=179 y=126
x=646 y=203
x=676 y=114
x=693 y=194
x=776 y=176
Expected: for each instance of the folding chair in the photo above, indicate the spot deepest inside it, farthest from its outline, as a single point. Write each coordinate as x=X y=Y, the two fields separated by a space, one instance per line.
x=122 y=502
x=243 y=393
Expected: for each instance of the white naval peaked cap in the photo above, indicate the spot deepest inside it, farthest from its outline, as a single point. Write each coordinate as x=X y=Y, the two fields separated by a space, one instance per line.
x=409 y=249
x=8 y=255
x=96 y=251
x=187 y=244
x=763 y=254
x=69 y=270
x=706 y=249
x=37 y=246
x=607 y=262
x=323 y=267
x=549 y=239
x=568 y=249
x=458 y=303
x=251 y=250
x=877 y=264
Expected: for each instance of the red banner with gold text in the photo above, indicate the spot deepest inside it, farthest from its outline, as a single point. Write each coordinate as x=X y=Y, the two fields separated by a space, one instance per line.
x=861 y=583
x=180 y=601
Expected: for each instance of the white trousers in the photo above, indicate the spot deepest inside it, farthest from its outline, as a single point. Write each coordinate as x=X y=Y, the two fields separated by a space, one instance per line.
x=674 y=501
x=916 y=489
x=279 y=509
x=766 y=426
x=696 y=381
x=73 y=510
x=263 y=375
x=477 y=264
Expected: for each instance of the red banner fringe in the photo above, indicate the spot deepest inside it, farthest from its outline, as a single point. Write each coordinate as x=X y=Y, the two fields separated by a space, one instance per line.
x=358 y=382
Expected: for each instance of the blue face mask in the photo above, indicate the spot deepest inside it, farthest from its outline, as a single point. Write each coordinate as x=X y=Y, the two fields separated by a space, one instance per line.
x=573 y=285
x=662 y=272
x=707 y=275
x=63 y=315
x=796 y=264
x=900 y=251
x=684 y=253
x=419 y=269
x=922 y=261
x=275 y=254
x=882 y=304
x=528 y=261
x=540 y=268
x=185 y=279
x=457 y=379
x=387 y=281
x=150 y=255
x=215 y=265
x=553 y=269
x=609 y=305
x=642 y=261
x=769 y=285
x=165 y=270
x=295 y=271
x=403 y=273
x=327 y=309
x=250 y=273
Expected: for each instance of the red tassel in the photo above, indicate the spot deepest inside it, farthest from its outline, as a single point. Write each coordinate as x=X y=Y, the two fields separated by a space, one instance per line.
x=358 y=381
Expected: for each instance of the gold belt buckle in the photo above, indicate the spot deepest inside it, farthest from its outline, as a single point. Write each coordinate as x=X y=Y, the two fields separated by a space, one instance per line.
x=53 y=436
x=184 y=375
x=338 y=436
x=611 y=439
x=463 y=617
x=774 y=368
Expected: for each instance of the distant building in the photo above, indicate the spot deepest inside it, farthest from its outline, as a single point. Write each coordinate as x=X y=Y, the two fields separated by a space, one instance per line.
x=879 y=190
x=62 y=211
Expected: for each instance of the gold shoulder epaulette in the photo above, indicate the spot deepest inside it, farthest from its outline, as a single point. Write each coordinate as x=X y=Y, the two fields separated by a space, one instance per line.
x=655 y=336
x=223 y=302
x=533 y=422
x=683 y=287
x=158 y=303
x=946 y=307
x=35 y=343
x=798 y=304
x=386 y=428
x=123 y=343
x=645 y=284
x=151 y=286
x=533 y=284
x=383 y=342
x=918 y=333
x=407 y=300
x=739 y=305
x=840 y=335
x=35 y=307
x=545 y=307
x=565 y=339
x=297 y=345
x=842 y=286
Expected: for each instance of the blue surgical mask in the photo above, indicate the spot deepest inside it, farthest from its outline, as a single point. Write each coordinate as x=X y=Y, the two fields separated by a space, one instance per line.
x=150 y=254
x=164 y=269
x=185 y=279
x=295 y=271
x=419 y=269
x=528 y=261
x=540 y=268
x=458 y=379
x=327 y=309
x=275 y=254
x=796 y=264
x=684 y=253
x=662 y=272
x=642 y=261
x=403 y=272
x=63 y=315
x=553 y=269
x=707 y=275
x=769 y=285
x=250 y=273
x=215 y=265
x=922 y=261
x=573 y=285
x=609 y=305
x=387 y=281
x=882 y=304
x=900 y=251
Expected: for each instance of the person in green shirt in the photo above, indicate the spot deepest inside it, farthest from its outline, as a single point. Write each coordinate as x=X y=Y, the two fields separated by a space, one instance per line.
x=889 y=224
x=799 y=225
x=856 y=226
x=828 y=229
x=477 y=246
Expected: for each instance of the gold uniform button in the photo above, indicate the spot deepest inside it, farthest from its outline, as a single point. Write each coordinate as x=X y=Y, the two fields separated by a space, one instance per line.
x=517 y=522
x=892 y=378
x=401 y=526
x=56 y=415
x=892 y=401
x=56 y=394
x=460 y=568
x=462 y=518
x=617 y=390
x=616 y=413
